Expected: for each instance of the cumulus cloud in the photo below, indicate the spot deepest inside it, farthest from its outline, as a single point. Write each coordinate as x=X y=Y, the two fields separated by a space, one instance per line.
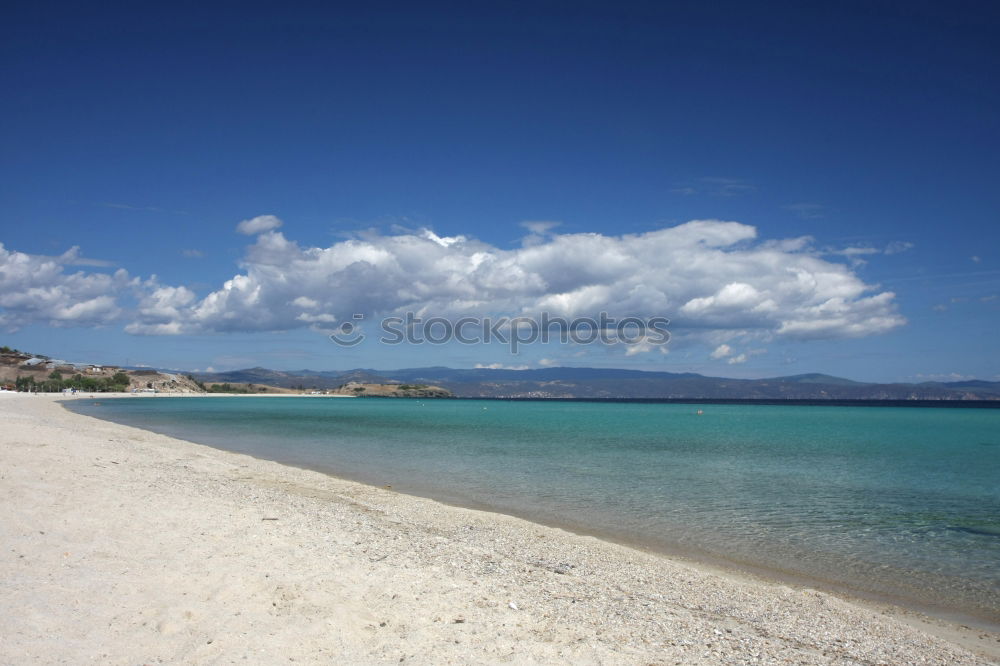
x=160 y=309
x=500 y=366
x=258 y=225
x=714 y=280
x=38 y=289
x=705 y=275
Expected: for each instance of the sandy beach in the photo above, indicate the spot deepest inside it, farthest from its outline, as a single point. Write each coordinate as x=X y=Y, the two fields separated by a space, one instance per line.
x=121 y=546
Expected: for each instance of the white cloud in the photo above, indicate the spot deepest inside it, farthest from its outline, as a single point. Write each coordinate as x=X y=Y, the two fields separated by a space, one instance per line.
x=855 y=251
x=838 y=317
x=736 y=296
x=713 y=279
x=443 y=241
x=258 y=225
x=192 y=254
x=644 y=346
x=705 y=275
x=159 y=310
x=722 y=351
x=500 y=366
x=37 y=289
x=976 y=258
x=306 y=303
x=548 y=362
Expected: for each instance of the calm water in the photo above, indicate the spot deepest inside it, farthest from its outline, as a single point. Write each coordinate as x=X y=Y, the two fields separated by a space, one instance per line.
x=901 y=502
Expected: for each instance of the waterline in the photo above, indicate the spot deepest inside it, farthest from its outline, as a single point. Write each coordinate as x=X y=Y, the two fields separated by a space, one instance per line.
x=892 y=502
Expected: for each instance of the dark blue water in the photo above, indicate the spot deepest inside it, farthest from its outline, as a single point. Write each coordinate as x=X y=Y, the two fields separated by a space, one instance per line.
x=890 y=501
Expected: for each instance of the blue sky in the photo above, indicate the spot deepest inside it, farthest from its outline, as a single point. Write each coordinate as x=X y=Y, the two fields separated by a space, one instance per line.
x=413 y=143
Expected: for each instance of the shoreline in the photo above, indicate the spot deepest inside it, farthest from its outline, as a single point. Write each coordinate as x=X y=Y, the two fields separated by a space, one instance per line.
x=552 y=595
x=922 y=611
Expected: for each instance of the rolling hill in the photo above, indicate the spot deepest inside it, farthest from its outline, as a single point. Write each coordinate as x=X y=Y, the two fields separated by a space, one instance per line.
x=617 y=383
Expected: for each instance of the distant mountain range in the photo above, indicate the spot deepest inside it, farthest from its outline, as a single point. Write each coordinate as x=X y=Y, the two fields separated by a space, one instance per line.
x=612 y=383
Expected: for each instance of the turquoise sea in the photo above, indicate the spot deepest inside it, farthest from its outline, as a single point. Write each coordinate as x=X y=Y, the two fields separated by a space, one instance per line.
x=900 y=503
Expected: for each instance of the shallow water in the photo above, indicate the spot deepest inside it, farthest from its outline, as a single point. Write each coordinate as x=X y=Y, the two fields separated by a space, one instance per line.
x=892 y=501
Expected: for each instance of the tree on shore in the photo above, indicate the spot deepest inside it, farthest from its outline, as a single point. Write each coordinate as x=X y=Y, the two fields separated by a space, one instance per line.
x=117 y=383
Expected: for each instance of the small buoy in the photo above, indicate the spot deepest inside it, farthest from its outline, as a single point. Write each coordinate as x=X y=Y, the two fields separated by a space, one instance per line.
x=699 y=412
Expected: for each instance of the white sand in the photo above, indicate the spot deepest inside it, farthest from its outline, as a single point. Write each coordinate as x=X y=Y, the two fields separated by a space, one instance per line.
x=124 y=547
